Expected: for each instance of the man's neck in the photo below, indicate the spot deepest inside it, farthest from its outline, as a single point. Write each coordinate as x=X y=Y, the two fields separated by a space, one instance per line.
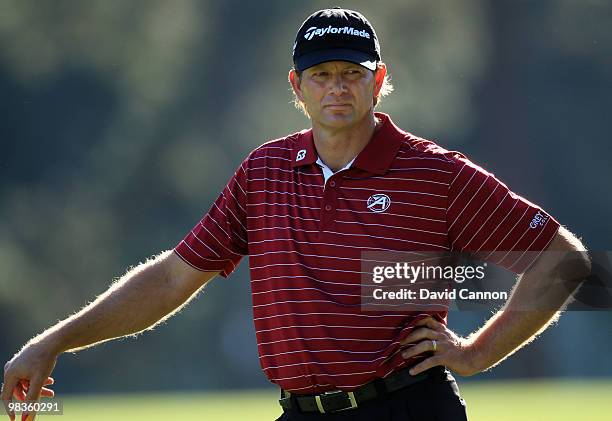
x=336 y=147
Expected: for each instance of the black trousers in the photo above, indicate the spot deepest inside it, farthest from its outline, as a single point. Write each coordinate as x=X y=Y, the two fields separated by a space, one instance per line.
x=433 y=399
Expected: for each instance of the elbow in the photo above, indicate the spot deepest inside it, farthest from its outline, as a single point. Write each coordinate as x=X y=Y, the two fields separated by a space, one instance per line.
x=574 y=269
x=568 y=260
x=564 y=274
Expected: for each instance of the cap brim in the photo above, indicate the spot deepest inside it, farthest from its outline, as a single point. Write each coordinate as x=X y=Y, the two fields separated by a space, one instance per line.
x=321 y=56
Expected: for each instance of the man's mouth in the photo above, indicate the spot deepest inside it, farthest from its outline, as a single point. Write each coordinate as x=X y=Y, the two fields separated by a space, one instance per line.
x=337 y=105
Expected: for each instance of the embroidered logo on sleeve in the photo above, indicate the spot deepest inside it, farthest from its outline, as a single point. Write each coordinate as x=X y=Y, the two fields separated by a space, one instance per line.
x=539 y=220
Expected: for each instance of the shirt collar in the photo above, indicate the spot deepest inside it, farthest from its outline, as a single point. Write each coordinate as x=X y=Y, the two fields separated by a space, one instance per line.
x=304 y=151
x=375 y=158
x=322 y=164
x=327 y=172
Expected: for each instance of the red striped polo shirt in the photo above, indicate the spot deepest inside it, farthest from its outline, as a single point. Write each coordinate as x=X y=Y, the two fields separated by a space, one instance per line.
x=305 y=238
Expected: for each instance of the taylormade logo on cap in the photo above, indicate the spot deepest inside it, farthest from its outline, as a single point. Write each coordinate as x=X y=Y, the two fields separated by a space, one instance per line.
x=335 y=35
x=313 y=30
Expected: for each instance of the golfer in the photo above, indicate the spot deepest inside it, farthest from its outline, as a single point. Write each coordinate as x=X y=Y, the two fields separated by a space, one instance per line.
x=306 y=209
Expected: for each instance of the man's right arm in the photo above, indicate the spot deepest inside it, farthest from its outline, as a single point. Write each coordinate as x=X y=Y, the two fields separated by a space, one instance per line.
x=143 y=297
x=146 y=295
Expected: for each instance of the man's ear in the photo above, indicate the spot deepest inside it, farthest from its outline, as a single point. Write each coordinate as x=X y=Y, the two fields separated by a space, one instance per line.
x=294 y=80
x=379 y=77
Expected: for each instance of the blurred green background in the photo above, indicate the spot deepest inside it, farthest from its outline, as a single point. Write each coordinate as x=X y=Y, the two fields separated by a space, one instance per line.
x=121 y=121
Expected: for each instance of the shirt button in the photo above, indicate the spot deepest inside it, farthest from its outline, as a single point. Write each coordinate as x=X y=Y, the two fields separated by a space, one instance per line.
x=332 y=184
x=327 y=207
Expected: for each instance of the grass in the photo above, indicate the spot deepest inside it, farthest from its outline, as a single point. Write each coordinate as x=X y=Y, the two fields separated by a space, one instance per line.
x=509 y=400
x=539 y=400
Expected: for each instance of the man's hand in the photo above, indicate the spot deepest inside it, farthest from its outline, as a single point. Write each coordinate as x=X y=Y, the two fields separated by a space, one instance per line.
x=451 y=350
x=25 y=376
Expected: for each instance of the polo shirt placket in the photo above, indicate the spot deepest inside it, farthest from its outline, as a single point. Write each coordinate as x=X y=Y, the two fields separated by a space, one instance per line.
x=332 y=183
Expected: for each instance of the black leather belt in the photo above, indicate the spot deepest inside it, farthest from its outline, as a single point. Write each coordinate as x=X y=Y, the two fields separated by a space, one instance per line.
x=338 y=400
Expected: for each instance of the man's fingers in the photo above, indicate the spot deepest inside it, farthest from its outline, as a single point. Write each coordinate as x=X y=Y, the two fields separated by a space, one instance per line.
x=421 y=347
x=19 y=392
x=7 y=388
x=431 y=323
x=47 y=393
x=7 y=392
x=419 y=335
x=11 y=414
x=34 y=389
x=17 y=388
x=26 y=383
x=425 y=365
x=33 y=395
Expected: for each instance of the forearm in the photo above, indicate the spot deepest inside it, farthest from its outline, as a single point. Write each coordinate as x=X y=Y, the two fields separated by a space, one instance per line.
x=540 y=295
x=141 y=298
x=505 y=333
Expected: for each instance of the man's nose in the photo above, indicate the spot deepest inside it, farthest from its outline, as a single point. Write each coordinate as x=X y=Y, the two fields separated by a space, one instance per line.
x=338 y=85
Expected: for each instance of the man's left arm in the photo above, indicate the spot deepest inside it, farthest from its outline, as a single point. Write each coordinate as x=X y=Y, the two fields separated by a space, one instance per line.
x=539 y=296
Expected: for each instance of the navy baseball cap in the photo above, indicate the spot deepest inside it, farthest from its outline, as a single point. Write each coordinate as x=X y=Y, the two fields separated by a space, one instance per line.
x=335 y=34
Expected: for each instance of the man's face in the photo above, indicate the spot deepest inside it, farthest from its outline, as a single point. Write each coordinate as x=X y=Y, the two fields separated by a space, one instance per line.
x=337 y=94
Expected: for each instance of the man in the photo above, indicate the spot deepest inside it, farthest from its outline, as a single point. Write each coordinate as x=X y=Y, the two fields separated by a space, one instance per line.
x=305 y=208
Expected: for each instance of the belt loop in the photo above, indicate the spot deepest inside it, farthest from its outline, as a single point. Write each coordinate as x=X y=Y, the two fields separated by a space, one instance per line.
x=287 y=400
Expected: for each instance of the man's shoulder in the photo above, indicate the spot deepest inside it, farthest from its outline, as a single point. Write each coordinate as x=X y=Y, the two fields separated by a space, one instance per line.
x=277 y=148
x=418 y=147
x=439 y=157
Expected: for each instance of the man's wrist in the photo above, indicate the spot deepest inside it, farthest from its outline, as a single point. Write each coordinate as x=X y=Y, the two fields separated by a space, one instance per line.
x=475 y=356
x=50 y=344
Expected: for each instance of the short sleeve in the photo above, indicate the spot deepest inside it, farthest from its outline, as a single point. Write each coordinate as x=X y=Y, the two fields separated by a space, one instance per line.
x=219 y=240
x=491 y=222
